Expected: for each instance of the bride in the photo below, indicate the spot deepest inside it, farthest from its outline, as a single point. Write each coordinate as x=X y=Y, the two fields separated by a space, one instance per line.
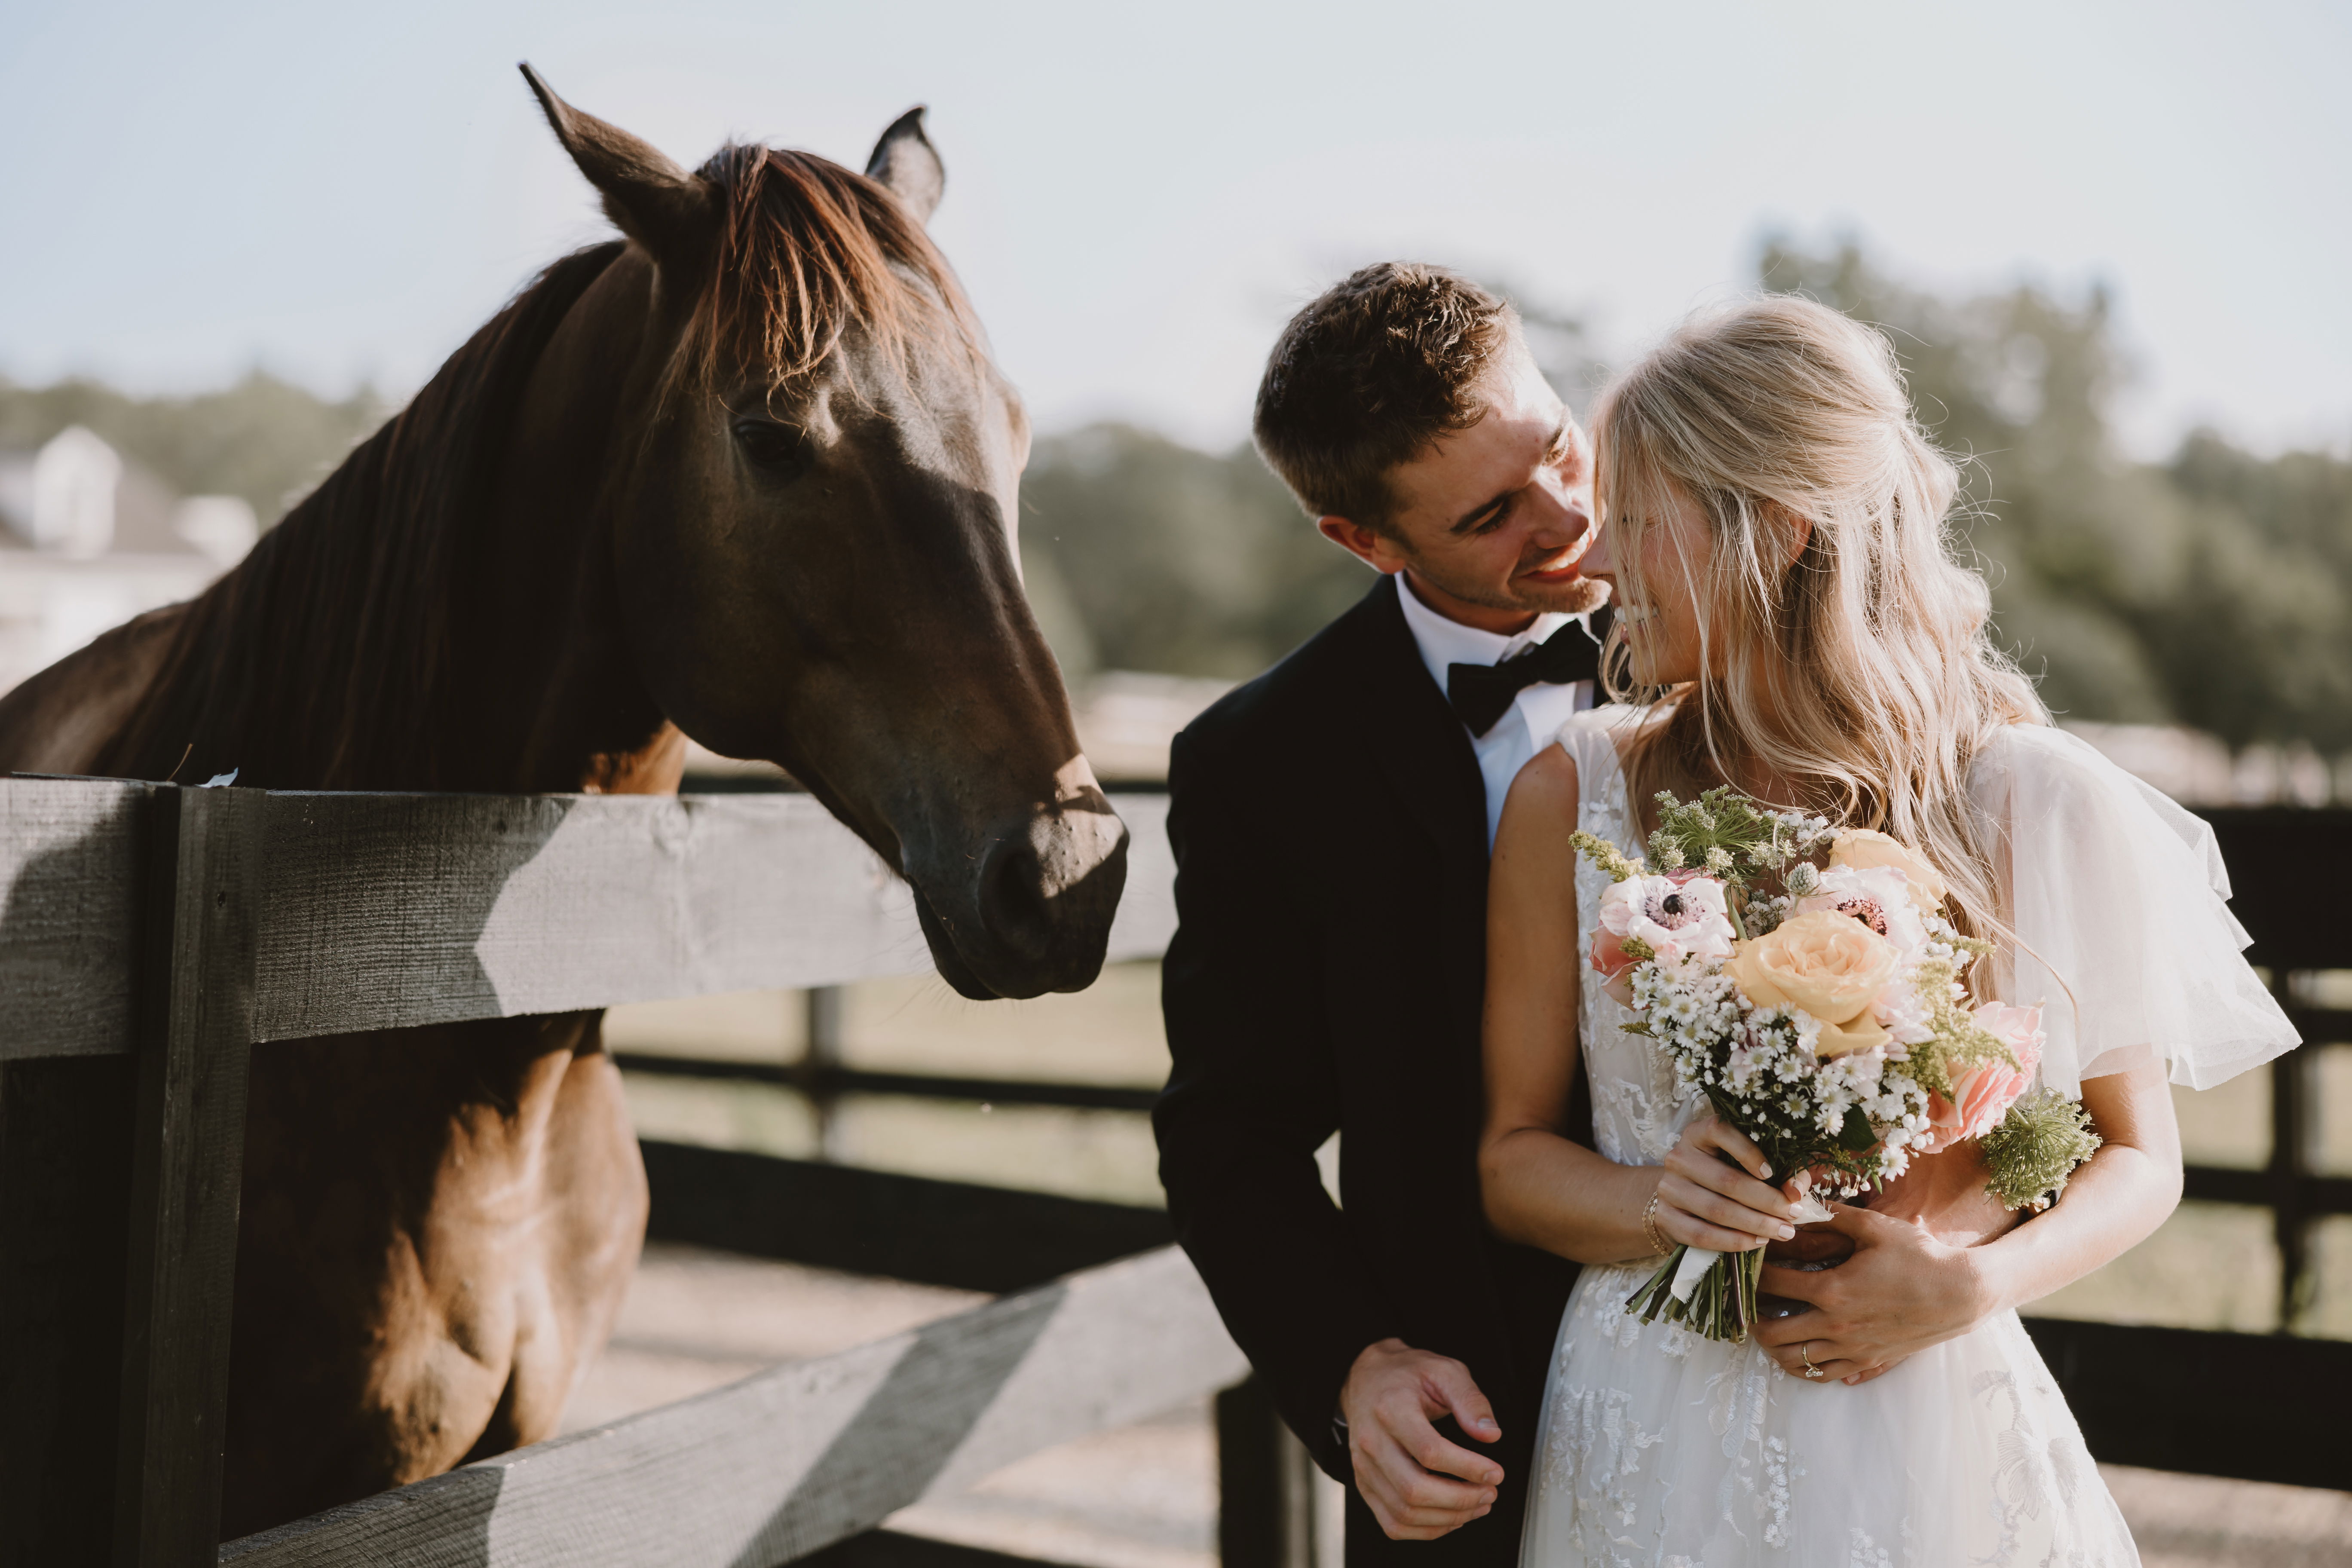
x=1775 y=531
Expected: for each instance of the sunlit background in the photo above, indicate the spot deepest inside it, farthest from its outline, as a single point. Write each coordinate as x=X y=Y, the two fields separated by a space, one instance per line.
x=1138 y=195
x=2109 y=240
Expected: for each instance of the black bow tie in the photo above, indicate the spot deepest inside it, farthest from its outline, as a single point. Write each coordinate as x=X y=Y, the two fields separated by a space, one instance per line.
x=1483 y=693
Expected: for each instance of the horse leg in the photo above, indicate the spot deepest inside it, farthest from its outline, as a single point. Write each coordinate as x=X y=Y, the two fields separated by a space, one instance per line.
x=439 y=1226
x=595 y=1204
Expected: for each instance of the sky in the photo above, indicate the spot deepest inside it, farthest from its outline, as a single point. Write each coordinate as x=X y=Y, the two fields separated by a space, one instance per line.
x=1137 y=196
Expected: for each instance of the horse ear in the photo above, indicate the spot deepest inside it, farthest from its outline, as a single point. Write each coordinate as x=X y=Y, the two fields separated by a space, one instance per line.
x=906 y=162
x=655 y=201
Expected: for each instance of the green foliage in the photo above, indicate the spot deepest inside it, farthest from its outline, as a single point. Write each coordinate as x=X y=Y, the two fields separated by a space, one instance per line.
x=1174 y=559
x=2213 y=591
x=2259 y=649
x=2037 y=1146
x=1959 y=1040
x=263 y=438
x=1142 y=553
x=1725 y=834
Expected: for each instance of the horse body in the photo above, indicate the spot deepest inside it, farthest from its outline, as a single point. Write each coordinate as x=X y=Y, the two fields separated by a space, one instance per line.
x=747 y=476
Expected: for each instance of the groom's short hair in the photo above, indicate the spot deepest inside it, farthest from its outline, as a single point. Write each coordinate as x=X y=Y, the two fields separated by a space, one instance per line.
x=1366 y=376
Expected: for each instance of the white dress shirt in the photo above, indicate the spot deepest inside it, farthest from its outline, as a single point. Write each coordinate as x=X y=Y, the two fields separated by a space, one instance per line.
x=1534 y=717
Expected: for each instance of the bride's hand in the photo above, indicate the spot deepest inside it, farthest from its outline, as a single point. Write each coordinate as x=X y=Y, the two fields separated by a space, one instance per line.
x=1902 y=1291
x=1725 y=1207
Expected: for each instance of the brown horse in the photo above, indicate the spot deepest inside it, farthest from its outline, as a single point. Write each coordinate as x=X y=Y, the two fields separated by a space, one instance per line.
x=747 y=475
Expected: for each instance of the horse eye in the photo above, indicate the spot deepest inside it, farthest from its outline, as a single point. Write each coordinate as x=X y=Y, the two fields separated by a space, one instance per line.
x=779 y=451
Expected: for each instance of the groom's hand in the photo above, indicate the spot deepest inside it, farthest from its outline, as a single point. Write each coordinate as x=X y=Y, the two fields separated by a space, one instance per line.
x=1418 y=1485
x=1902 y=1291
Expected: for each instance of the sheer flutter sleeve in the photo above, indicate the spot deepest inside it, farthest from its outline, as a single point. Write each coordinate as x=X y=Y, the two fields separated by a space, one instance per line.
x=2118 y=900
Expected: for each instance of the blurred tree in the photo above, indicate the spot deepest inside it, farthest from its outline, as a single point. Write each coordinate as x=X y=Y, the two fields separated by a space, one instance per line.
x=263 y=438
x=2258 y=647
x=1561 y=347
x=2211 y=591
x=1145 y=555
x=1173 y=559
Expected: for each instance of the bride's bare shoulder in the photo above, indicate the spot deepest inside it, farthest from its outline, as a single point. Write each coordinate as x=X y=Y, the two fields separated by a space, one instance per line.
x=1550 y=778
x=1542 y=805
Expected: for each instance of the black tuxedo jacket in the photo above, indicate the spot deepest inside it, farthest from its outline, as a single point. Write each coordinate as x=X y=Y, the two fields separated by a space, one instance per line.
x=1329 y=826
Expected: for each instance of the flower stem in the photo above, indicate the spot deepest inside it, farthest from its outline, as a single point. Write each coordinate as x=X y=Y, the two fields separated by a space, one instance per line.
x=1722 y=1305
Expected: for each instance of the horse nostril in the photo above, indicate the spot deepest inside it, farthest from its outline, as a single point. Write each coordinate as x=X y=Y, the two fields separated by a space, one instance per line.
x=1013 y=899
x=1039 y=901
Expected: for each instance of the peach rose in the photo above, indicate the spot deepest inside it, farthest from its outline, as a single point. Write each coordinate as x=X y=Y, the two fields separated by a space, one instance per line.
x=1831 y=966
x=1983 y=1095
x=1859 y=846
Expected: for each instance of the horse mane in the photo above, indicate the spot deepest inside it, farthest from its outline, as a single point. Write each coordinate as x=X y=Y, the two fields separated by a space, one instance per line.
x=325 y=661
x=807 y=248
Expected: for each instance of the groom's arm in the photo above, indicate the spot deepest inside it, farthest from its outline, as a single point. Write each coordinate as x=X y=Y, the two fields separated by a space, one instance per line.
x=1252 y=1095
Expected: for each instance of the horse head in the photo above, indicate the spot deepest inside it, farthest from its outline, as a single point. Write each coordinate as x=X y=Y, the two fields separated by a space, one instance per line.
x=814 y=538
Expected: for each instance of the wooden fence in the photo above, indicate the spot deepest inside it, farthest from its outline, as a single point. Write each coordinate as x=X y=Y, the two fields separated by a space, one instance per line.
x=150 y=935
x=162 y=931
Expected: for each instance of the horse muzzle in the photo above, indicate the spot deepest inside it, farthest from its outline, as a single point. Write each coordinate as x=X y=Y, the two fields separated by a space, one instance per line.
x=1030 y=909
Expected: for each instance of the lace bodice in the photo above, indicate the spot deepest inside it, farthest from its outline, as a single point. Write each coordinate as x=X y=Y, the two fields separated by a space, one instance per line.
x=1638 y=1111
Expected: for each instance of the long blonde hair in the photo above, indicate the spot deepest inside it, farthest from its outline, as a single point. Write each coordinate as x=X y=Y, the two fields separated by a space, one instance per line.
x=1862 y=672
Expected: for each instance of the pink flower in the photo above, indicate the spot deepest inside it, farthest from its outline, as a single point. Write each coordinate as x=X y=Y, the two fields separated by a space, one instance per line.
x=1610 y=958
x=1614 y=964
x=1877 y=896
x=1983 y=1095
x=1679 y=915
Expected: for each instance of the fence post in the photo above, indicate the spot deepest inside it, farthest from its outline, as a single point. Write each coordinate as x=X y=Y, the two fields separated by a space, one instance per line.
x=65 y=1148
x=820 y=1066
x=1265 y=1494
x=2295 y=1134
x=195 y=1030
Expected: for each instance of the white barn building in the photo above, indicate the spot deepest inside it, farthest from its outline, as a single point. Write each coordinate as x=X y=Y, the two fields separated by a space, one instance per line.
x=89 y=540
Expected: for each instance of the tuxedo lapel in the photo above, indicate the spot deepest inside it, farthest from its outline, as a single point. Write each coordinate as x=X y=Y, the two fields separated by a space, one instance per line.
x=1416 y=740
x=1420 y=747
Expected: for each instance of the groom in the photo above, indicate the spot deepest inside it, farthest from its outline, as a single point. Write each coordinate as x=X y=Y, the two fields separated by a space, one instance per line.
x=1331 y=822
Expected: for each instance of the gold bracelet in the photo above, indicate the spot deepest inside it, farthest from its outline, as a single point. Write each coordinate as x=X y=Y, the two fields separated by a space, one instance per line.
x=1659 y=1245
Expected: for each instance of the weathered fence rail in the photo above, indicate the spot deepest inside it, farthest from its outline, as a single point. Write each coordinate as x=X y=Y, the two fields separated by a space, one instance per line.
x=378 y=911
x=150 y=936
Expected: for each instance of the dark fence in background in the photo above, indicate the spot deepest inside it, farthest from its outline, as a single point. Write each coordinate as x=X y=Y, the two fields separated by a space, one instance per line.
x=2290 y=870
x=875 y=1222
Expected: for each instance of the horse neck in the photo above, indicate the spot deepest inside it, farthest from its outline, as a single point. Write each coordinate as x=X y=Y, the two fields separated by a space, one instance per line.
x=382 y=636
x=555 y=698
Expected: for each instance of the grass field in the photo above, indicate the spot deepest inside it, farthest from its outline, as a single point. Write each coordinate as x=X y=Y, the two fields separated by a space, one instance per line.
x=2212 y=1266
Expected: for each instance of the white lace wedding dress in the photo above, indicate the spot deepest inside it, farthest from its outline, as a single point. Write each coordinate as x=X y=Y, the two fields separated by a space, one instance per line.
x=1661 y=1449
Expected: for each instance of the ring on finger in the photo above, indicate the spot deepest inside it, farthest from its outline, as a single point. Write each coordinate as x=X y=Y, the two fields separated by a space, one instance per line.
x=1805 y=1355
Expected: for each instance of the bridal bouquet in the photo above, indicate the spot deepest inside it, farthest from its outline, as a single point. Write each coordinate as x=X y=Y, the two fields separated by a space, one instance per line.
x=1803 y=977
